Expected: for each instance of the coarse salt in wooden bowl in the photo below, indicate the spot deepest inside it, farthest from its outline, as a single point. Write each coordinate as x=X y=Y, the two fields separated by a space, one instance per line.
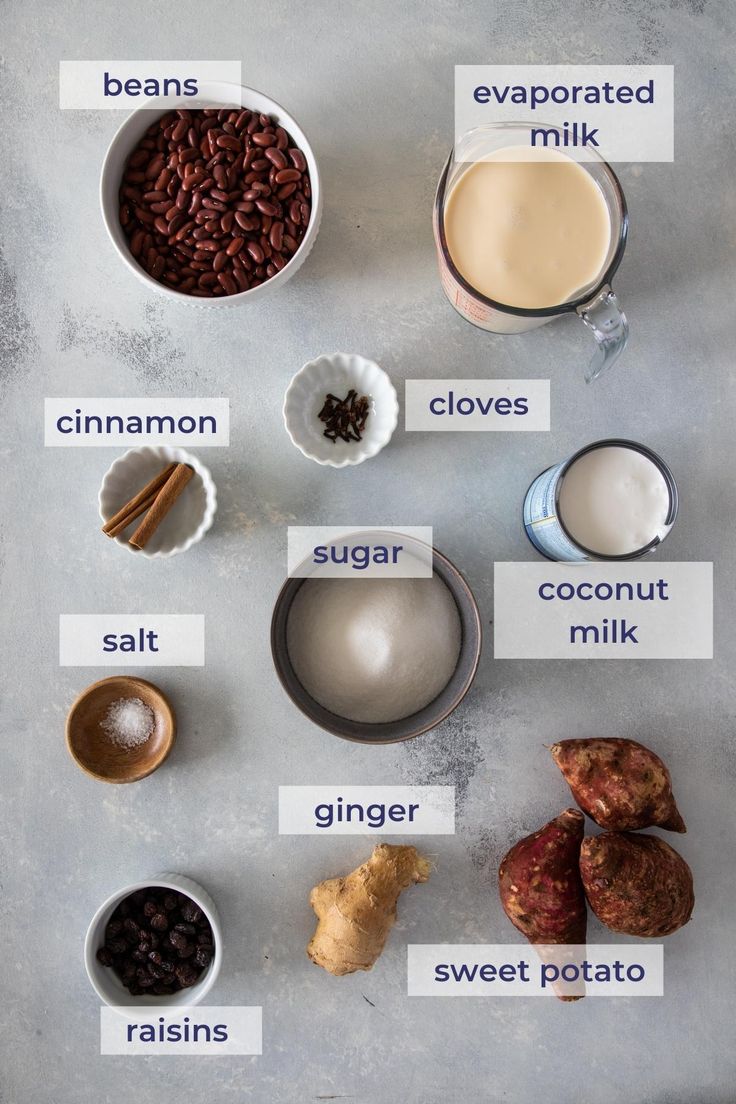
x=96 y=752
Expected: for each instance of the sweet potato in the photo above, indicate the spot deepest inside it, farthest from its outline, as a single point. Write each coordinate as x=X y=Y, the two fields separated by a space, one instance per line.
x=540 y=887
x=636 y=884
x=539 y=882
x=620 y=784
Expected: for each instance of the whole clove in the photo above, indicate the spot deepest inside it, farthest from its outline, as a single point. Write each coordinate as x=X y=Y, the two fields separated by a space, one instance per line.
x=345 y=418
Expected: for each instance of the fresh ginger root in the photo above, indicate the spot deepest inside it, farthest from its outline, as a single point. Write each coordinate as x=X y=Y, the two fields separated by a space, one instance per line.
x=356 y=913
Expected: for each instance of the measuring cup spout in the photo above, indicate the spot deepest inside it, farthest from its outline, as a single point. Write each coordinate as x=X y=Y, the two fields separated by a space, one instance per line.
x=603 y=315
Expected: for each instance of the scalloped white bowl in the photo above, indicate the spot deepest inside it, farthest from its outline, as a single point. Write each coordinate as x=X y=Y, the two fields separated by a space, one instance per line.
x=190 y=517
x=338 y=373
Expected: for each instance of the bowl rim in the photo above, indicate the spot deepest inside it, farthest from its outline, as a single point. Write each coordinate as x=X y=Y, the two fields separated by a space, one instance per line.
x=219 y=90
x=291 y=586
x=180 y=883
x=200 y=469
x=166 y=709
x=361 y=454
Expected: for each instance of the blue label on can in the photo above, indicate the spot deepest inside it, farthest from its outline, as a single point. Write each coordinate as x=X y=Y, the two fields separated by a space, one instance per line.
x=542 y=523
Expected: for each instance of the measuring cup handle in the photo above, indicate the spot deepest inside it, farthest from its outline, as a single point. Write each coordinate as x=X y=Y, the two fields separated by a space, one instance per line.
x=608 y=322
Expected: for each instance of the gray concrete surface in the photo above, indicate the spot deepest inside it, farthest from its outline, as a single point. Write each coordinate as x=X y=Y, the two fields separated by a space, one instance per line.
x=372 y=85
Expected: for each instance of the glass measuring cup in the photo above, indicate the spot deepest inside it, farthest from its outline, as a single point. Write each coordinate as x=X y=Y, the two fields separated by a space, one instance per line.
x=596 y=304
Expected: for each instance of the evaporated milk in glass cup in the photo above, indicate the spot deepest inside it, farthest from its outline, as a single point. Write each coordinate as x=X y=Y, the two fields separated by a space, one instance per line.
x=527 y=234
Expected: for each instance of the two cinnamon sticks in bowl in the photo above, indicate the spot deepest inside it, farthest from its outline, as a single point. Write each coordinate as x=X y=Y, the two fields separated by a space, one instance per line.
x=154 y=500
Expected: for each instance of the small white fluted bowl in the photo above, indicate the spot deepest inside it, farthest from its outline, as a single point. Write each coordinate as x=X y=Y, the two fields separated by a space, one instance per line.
x=107 y=984
x=189 y=518
x=338 y=373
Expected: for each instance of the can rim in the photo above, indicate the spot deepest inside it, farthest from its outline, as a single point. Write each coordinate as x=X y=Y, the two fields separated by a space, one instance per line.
x=621 y=442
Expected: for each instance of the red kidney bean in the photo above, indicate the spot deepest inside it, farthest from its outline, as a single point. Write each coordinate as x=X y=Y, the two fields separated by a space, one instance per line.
x=228 y=283
x=226 y=222
x=255 y=251
x=287 y=176
x=298 y=159
x=136 y=243
x=155 y=167
x=267 y=208
x=241 y=279
x=285 y=191
x=276 y=236
x=276 y=157
x=236 y=244
x=228 y=142
x=244 y=222
x=183 y=231
x=261 y=138
x=221 y=259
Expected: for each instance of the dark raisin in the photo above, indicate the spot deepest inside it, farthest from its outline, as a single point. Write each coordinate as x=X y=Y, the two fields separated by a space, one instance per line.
x=113 y=928
x=178 y=940
x=150 y=909
x=159 y=922
x=104 y=956
x=130 y=929
x=187 y=929
x=203 y=956
x=171 y=901
x=117 y=946
x=186 y=975
x=190 y=912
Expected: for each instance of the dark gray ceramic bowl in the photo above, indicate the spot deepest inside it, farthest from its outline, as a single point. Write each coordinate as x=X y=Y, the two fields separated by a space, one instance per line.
x=388 y=732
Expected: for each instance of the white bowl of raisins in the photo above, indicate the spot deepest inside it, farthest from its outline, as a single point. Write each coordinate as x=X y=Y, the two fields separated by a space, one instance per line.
x=155 y=943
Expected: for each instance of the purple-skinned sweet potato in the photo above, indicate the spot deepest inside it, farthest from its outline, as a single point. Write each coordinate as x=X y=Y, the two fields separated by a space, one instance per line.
x=539 y=882
x=620 y=784
x=636 y=884
x=540 y=887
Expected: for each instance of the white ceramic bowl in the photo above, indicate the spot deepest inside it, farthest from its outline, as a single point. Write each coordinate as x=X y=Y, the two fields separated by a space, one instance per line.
x=191 y=515
x=338 y=373
x=104 y=980
x=134 y=127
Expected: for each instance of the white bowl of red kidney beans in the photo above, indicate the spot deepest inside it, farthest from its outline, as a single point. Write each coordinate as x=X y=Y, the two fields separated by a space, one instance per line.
x=156 y=942
x=212 y=205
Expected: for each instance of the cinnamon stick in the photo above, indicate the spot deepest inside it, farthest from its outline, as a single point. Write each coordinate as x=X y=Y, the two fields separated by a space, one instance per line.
x=131 y=517
x=162 y=503
x=138 y=504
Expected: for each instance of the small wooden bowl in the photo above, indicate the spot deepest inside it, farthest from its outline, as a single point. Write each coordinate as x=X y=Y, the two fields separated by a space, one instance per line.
x=95 y=753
